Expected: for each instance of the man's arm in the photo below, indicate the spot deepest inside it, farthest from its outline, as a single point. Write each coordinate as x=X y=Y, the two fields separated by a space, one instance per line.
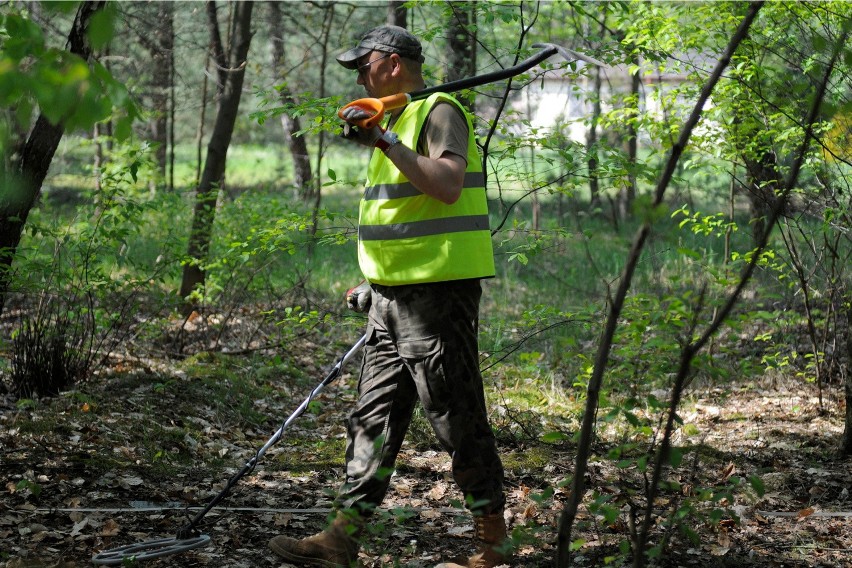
x=439 y=170
x=441 y=178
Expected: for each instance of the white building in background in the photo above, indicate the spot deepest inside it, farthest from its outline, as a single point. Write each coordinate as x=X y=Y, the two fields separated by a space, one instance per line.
x=554 y=101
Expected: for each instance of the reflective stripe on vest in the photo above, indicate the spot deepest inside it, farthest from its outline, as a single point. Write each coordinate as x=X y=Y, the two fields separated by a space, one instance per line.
x=423 y=228
x=406 y=189
x=407 y=237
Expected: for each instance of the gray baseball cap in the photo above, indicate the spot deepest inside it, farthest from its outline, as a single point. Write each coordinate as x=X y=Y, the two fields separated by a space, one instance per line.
x=390 y=39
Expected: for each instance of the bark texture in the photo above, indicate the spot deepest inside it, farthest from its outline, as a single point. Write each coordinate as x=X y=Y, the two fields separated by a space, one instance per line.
x=231 y=77
x=296 y=143
x=23 y=178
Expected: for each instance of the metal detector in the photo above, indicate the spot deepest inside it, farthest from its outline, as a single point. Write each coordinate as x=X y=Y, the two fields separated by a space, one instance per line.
x=378 y=107
x=188 y=537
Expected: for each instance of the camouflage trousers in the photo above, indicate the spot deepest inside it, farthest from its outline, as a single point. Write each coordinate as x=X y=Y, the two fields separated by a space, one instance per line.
x=422 y=346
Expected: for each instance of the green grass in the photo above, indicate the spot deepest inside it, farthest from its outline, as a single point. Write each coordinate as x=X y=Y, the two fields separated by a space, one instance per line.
x=311 y=454
x=533 y=458
x=561 y=272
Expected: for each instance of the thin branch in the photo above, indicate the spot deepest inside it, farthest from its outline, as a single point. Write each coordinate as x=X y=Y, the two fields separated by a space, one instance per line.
x=568 y=515
x=689 y=351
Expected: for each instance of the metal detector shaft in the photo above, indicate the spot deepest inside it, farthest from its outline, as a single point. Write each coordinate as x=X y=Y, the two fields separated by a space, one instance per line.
x=330 y=378
x=188 y=530
x=384 y=104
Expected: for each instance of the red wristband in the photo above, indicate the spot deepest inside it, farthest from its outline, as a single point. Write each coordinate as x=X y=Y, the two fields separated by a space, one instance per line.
x=386 y=140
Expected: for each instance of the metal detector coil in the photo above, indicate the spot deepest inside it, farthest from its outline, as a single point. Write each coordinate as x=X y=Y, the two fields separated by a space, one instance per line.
x=149 y=550
x=187 y=537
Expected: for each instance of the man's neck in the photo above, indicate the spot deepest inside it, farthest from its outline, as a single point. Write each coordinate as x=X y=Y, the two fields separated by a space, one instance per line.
x=408 y=87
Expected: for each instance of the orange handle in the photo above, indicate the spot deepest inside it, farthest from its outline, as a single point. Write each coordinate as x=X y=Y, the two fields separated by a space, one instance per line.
x=378 y=108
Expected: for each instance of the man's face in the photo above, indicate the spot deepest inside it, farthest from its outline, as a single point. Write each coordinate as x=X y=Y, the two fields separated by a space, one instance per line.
x=374 y=73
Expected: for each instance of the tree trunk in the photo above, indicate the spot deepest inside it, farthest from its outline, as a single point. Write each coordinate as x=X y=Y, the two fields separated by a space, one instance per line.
x=295 y=143
x=97 y=166
x=199 y=134
x=22 y=182
x=461 y=45
x=762 y=181
x=172 y=112
x=99 y=132
x=397 y=13
x=161 y=55
x=846 y=444
x=628 y=193
x=592 y=142
x=157 y=36
x=325 y=35
x=213 y=175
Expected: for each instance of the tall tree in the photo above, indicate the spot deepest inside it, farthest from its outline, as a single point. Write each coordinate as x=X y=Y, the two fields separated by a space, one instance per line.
x=157 y=35
x=295 y=142
x=397 y=13
x=231 y=66
x=461 y=43
x=592 y=136
x=631 y=142
x=26 y=163
x=846 y=441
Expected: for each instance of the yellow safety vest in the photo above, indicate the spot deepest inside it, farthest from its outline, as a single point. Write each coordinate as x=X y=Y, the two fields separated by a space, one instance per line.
x=408 y=237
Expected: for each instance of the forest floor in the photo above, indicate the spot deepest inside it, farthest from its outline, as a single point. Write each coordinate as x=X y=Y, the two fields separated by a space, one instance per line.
x=118 y=460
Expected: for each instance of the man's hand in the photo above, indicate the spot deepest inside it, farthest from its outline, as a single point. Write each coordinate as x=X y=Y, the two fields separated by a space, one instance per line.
x=354 y=113
x=364 y=136
x=360 y=297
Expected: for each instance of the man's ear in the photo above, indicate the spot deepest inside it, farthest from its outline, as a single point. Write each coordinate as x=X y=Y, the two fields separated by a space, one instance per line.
x=396 y=65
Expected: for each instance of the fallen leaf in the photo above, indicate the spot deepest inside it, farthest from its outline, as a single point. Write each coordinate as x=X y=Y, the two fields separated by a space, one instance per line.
x=806 y=512
x=438 y=491
x=460 y=530
x=110 y=528
x=128 y=482
x=79 y=526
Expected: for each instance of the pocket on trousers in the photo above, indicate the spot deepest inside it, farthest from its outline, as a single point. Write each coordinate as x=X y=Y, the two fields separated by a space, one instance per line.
x=369 y=347
x=425 y=359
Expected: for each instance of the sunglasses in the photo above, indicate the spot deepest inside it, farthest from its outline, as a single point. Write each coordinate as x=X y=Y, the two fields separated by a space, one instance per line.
x=363 y=68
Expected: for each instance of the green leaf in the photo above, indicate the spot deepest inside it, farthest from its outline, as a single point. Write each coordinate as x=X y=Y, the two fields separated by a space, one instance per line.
x=578 y=544
x=757 y=485
x=691 y=430
x=25 y=38
x=123 y=128
x=101 y=28
x=689 y=252
x=34 y=488
x=675 y=457
x=610 y=514
x=553 y=437
x=61 y=6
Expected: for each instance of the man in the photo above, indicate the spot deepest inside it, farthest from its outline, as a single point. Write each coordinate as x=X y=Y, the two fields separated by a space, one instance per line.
x=423 y=246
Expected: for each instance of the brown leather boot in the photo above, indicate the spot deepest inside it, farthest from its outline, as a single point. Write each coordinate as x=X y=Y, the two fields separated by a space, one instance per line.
x=493 y=548
x=335 y=546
